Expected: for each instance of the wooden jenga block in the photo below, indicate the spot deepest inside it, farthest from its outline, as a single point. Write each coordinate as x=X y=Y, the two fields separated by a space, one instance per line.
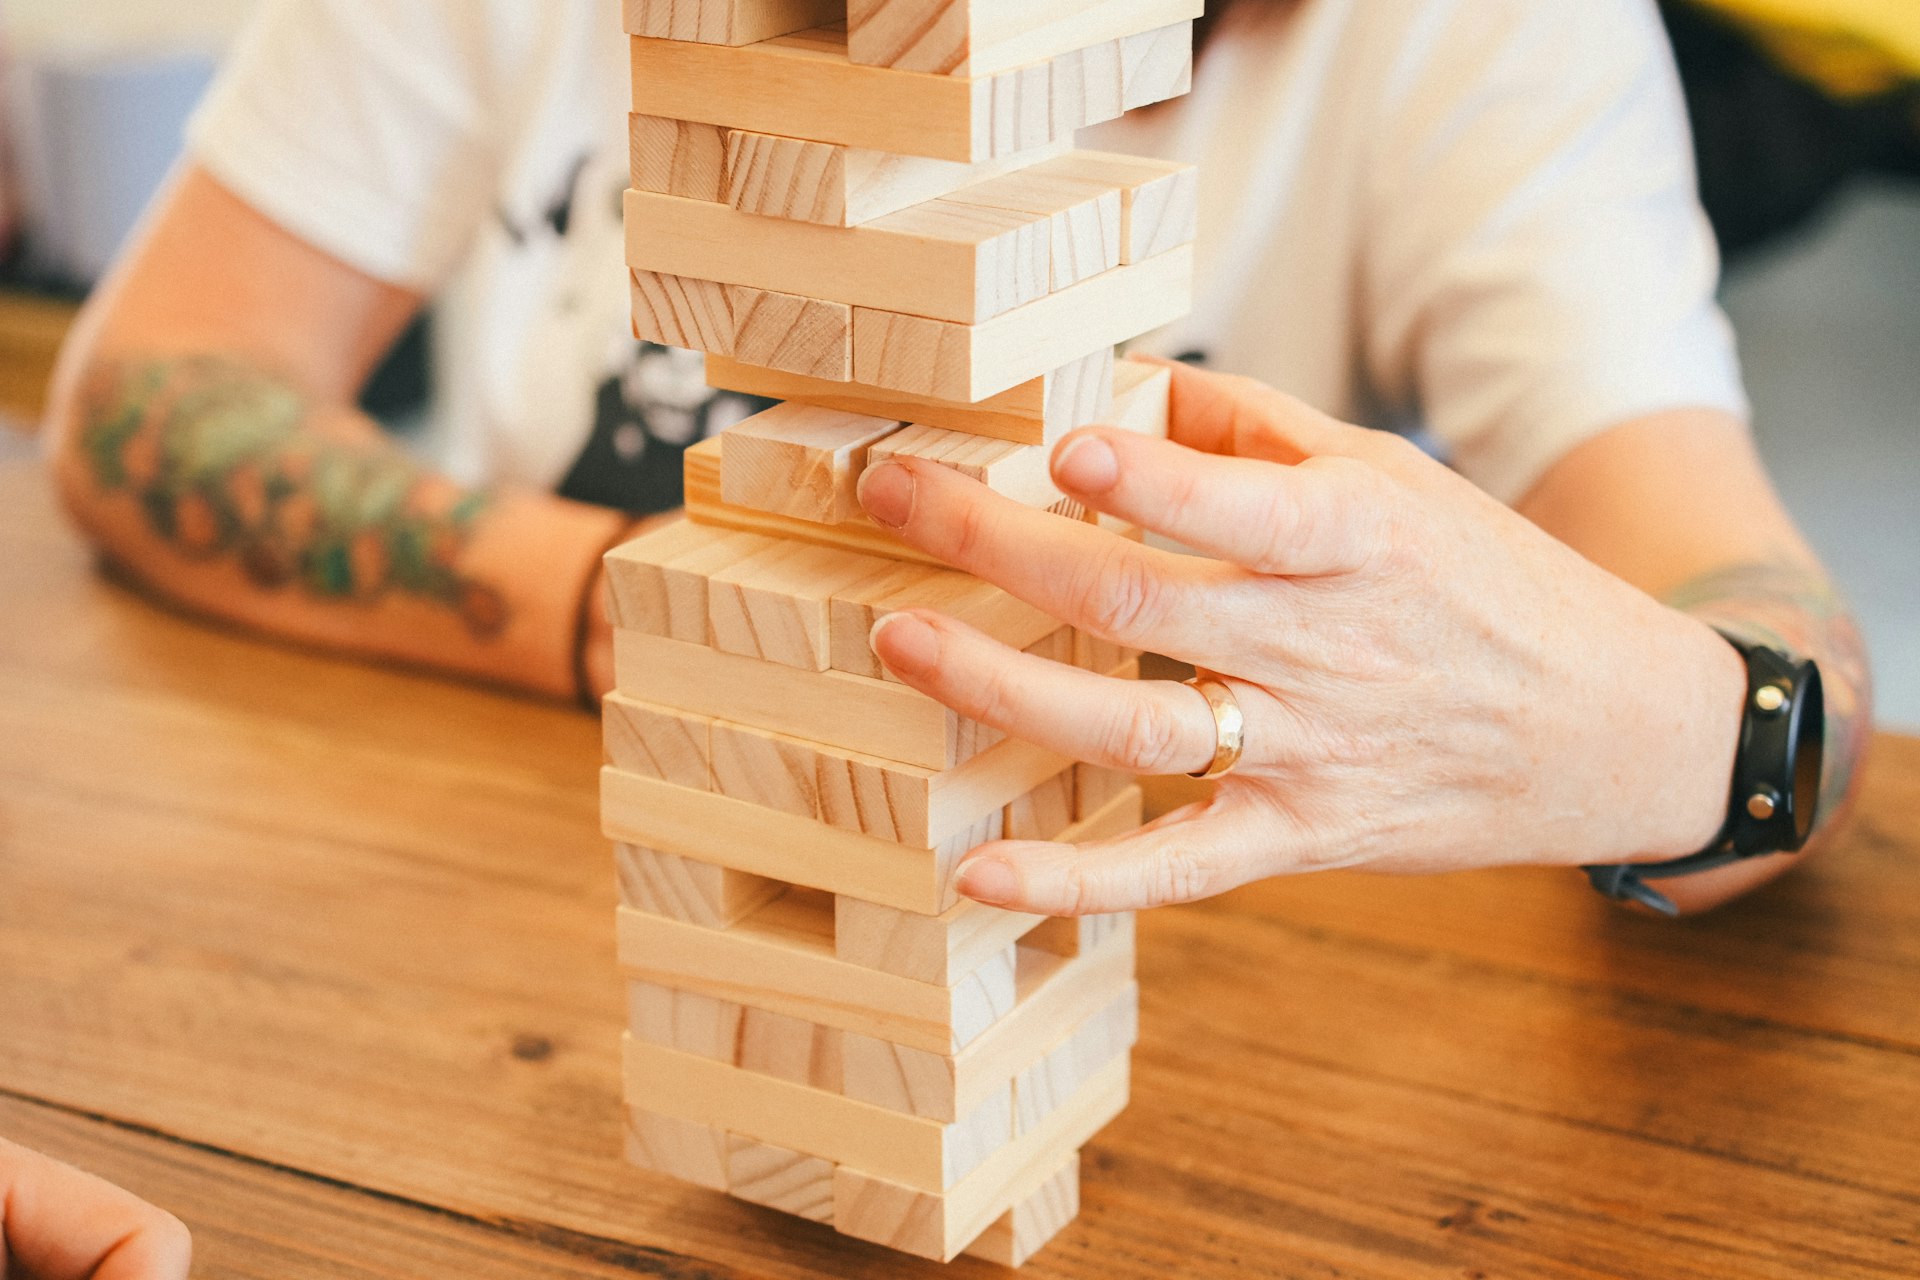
x=1083 y=219
x=676 y=311
x=774 y=961
x=781 y=177
x=800 y=335
x=977 y=603
x=890 y=1212
x=1095 y=654
x=1050 y=1083
x=708 y=508
x=1142 y=402
x=970 y=362
x=1025 y=1229
x=780 y=1179
x=695 y=1153
x=979 y=37
x=1044 y=812
x=924 y=1155
x=1056 y=647
x=765 y=769
x=1038 y=411
x=656 y=743
x=685 y=1020
x=774 y=605
x=1157 y=65
x=727 y=22
x=1016 y=471
x=678 y=157
x=800 y=460
x=803 y=86
x=657 y=583
x=938 y=949
x=1077 y=935
x=1089 y=85
x=1094 y=788
x=1159 y=199
x=682 y=889
x=788 y=1048
x=851 y=713
x=943 y=259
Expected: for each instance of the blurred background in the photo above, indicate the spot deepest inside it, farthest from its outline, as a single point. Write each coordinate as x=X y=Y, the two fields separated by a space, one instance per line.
x=1807 y=114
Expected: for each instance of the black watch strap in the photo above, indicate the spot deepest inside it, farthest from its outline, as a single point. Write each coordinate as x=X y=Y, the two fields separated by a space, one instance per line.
x=1775 y=795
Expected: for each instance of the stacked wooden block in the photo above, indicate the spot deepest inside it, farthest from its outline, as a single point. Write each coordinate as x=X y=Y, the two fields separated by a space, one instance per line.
x=871 y=211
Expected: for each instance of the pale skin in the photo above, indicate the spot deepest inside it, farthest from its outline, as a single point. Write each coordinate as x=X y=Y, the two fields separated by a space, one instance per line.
x=1431 y=680
x=59 y=1223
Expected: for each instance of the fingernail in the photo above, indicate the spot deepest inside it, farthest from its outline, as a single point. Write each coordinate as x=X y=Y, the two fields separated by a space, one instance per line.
x=1086 y=464
x=912 y=648
x=886 y=492
x=989 y=880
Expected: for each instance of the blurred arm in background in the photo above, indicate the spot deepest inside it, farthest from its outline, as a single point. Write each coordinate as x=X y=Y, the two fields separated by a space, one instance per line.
x=203 y=434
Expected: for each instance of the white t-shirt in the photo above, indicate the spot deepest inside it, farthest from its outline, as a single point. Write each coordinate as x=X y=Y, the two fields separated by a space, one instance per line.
x=1476 y=217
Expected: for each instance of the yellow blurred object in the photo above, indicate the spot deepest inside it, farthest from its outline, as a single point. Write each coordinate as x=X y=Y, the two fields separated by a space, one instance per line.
x=1853 y=48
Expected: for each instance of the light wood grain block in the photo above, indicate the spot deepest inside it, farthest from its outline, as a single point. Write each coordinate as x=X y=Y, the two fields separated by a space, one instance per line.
x=1057 y=647
x=707 y=507
x=766 y=769
x=779 y=961
x=1078 y=935
x=1038 y=411
x=1022 y=1231
x=803 y=86
x=849 y=713
x=1049 y=1084
x=1088 y=85
x=657 y=743
x=1159 y=199
x=1142 y=403
x=1094 y=654
x=777 y=1178
x=727 y=22
x=1095 y=787
x=694 y=1153
x=657 y=583
x=800 y=460
x=683 y=889
x=938 y=949
x=780 y=177
x=971 y=362
x=1157 y=65
x=1016 y=471
x=925 y=1155
x=977 y=37
x=774 y=605
x=905 y=1217
x=743 y=837
x=979 y=604
x=1083 y=218
x=676 y=311
x=685 y=1020
x=943 y=259
x=789 y=1048
x=918 y=1082
x=678 y=157
x=1044 y=812
x=800 y=335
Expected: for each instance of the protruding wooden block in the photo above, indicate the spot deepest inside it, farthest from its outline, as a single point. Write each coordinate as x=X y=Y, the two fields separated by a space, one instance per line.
x=656 y=743
x=1095 y=654
x=1016 y=471
x=1088 y=85
x=695 y=1153
x=1157 y=65
x=1078 y=935
x=938 y=949
x=789 y=1048
x=977 y=603
x=1057 y=647
x=800 y=460
x=727 y=22
x=780 y=1179
x=678 y=311
x=971 y=362
x=1043 y=813
x=684 y=1020
x=683 y=889
x=1038 y=411
x=1143 y=404
x=958 y=262
x=1159 y=199
x=1051 y=1083
x=801 y=335
x=678 y=157
x=774 y=605
x=979 y=37
x=765 y=769
x=657 y=583
x=707 y=507
x=1094 y=788
x=1025 y=1229
x=1083 y=218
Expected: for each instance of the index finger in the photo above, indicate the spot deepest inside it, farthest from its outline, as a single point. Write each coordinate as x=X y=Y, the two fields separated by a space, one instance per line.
x=1243 y=418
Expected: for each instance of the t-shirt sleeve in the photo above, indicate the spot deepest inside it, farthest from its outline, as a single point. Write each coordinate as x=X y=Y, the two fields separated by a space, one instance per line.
x=362 y=127
x=1537 y=265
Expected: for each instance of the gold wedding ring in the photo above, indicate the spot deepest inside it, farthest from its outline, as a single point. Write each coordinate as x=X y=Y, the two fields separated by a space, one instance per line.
x=1229 y=727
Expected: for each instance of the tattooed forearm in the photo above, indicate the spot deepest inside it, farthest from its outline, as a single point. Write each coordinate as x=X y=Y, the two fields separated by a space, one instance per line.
x=1795 y=607
x=225 y=463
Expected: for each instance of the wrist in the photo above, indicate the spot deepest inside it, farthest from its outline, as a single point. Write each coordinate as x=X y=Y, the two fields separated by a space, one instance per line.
x=1704 y=680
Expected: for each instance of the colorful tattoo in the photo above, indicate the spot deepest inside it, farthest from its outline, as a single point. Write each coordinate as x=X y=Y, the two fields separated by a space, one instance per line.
x=1796 y=608
x=224 y=464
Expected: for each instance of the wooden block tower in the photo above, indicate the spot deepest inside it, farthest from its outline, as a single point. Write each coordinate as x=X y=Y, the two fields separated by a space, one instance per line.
x=872 y=211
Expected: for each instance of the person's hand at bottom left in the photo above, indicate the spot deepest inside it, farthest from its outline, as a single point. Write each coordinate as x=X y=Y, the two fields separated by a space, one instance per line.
x=58 y=1223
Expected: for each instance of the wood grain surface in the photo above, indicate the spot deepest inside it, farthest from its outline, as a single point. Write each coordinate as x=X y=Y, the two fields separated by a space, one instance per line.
x=321 y=957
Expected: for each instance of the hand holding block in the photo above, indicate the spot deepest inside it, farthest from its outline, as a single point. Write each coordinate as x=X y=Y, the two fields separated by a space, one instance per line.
x=1016 y=471
x=800 y=460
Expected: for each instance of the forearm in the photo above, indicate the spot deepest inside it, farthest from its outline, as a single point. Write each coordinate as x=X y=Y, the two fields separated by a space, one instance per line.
x=225 y=490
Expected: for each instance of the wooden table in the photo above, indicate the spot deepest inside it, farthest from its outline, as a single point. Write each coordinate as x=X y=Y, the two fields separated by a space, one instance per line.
x=321 y=958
